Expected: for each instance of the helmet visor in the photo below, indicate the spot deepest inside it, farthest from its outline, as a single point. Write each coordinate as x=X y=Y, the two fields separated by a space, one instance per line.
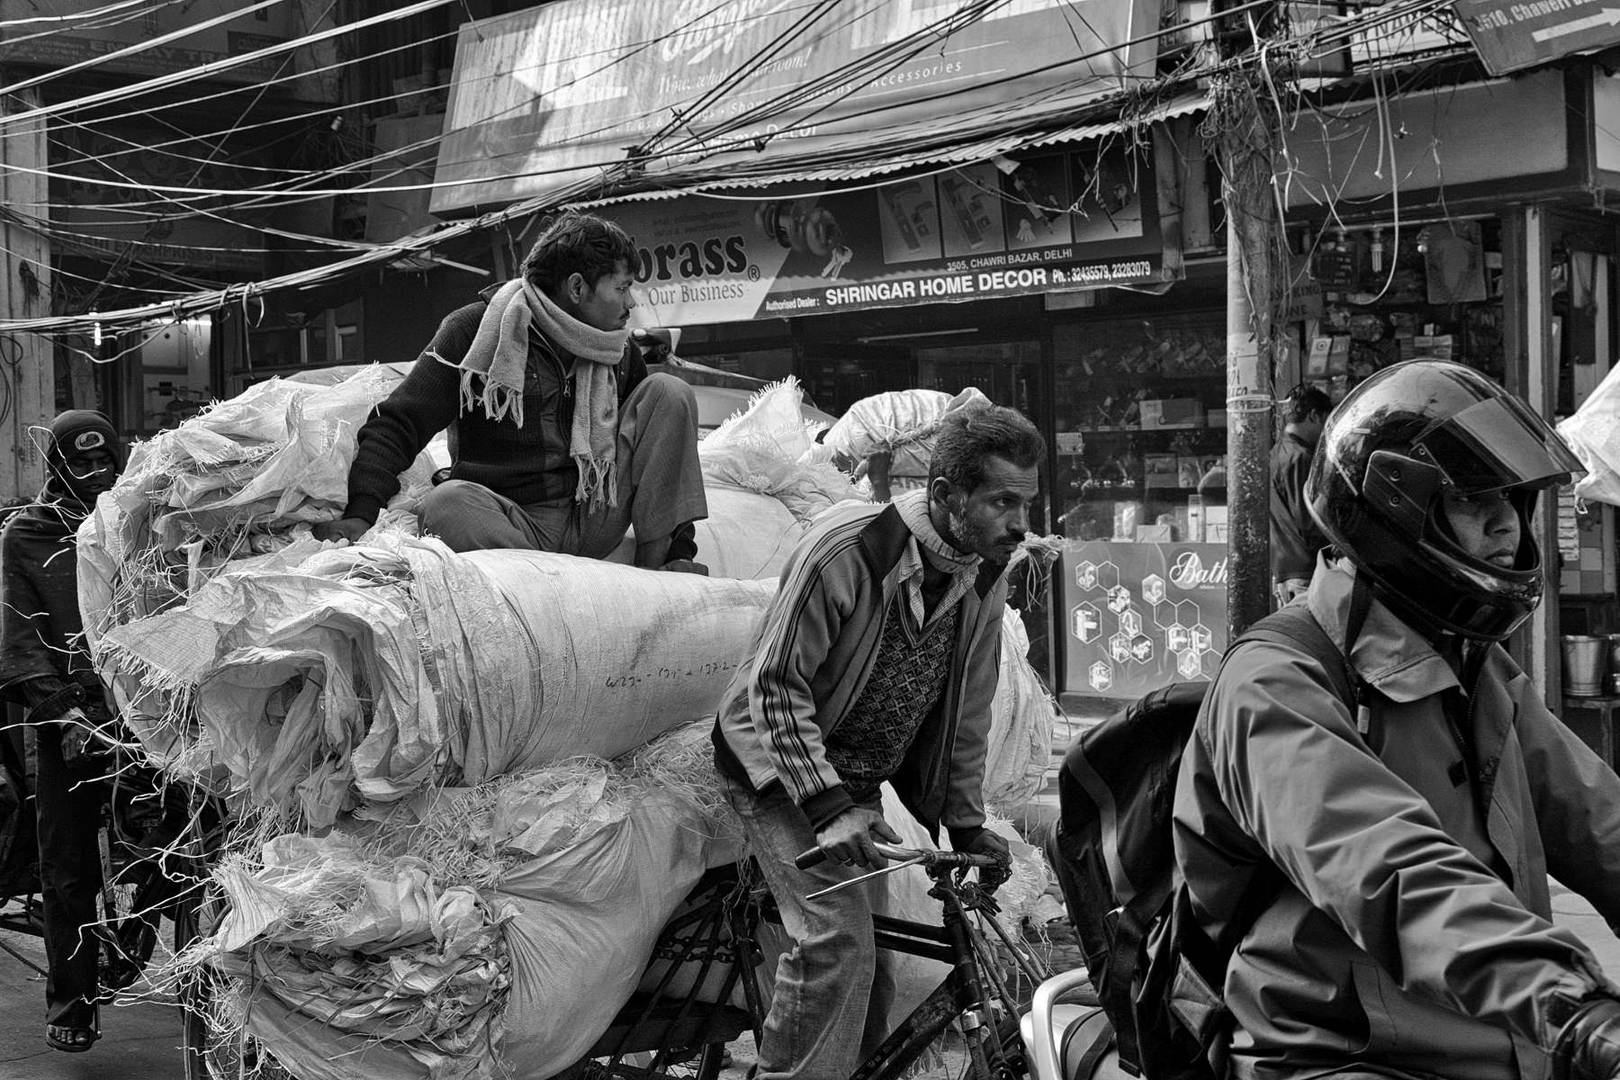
x=1498 y=443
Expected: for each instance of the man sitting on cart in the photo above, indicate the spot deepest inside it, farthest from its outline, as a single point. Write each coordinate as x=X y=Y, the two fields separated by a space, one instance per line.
x=876 y=662
x=560 y=439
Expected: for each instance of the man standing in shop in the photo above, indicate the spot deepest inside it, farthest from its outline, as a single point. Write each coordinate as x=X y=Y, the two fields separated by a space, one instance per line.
x=876 y=662
x=1295 y=539
x=560 y=439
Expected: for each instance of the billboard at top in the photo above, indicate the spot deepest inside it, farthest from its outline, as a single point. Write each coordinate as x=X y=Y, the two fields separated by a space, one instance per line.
x=552 y=95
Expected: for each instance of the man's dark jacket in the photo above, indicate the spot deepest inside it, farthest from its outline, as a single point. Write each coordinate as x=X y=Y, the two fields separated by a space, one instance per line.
x=1295 y=539
x=529 y=465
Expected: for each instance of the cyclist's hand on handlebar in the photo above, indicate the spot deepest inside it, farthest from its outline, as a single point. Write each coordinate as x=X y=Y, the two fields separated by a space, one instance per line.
x=1588 y=1048
x=994 y=845
x=848 y=838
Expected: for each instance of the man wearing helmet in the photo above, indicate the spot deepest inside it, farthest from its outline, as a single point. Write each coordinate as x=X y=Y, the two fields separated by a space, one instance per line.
x=1402 y=846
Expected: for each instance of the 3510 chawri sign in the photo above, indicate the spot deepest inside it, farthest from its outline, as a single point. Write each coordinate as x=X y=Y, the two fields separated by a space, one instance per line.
x=1511 y=35
x=1058 y=222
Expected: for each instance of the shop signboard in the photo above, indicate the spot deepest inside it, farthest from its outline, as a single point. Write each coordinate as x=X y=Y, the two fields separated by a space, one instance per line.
x=1140 y=616
x=555 y=94
x=1515 y=34
x=1052 y=223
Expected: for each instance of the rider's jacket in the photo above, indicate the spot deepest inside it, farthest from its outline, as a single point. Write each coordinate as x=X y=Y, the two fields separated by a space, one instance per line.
x=1413 y=929
x=814 y=656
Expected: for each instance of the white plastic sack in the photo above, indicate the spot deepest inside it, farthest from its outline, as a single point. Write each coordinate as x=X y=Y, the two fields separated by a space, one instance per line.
x=595 y=864
x=1023 y=715
x=196 y=497
x=890 y=420
x=366 y=673
x=1594 y=434
x=767 y=448
x=746 y=535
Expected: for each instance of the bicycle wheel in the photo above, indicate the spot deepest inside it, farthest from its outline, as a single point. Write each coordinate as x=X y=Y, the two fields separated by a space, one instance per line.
x=216 y=1046
x=935 y=1041
x=703 y=1064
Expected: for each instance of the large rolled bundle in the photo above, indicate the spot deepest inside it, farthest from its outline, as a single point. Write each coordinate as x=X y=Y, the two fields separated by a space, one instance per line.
x=364 y=674
x=495 y=935
x=230 y=482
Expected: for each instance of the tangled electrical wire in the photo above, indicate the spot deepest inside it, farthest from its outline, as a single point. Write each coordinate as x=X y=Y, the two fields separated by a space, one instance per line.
x=684 y=152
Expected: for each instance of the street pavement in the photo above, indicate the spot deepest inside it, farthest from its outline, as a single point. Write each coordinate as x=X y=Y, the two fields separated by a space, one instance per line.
x=141 y=1040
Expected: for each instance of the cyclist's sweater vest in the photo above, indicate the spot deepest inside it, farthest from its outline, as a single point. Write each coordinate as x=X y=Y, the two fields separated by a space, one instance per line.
x=903 y=692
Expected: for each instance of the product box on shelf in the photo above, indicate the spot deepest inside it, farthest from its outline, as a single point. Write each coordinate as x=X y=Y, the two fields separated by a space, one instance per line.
x=1159 y=413
x=1127 y=516
x=1159 y=471
x=1432 y=346
x=1316 y=361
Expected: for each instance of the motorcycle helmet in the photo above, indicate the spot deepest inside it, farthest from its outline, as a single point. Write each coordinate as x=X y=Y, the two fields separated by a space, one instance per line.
x=1391 y=449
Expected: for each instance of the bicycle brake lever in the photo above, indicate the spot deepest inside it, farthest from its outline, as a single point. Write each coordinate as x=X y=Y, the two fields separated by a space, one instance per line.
x=891 y=868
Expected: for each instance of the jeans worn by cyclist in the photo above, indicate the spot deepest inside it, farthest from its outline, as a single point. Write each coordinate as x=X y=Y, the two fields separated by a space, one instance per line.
x=856 y=679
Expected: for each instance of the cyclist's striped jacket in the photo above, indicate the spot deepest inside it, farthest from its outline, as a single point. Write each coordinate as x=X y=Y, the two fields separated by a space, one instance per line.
x=811 y=661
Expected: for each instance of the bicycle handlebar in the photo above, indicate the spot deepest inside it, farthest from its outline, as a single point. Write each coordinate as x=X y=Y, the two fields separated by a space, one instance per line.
x=954 y=859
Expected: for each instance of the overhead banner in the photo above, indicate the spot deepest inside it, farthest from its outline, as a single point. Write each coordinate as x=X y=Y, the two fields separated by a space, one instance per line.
x=1081 y=220
x=557 y=93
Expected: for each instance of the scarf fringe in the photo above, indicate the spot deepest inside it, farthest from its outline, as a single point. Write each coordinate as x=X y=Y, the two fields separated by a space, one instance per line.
x=498 y=402
x=598 y=483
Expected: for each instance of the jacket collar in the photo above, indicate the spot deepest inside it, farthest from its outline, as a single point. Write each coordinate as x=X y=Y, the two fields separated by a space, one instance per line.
x=1389 y=655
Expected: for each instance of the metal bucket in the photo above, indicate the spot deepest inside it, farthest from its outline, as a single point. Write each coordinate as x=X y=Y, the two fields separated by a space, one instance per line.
x=1586 y=662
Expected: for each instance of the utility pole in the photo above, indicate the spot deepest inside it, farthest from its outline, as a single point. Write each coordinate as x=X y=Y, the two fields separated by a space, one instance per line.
x=1256 y=261
x=27 y=361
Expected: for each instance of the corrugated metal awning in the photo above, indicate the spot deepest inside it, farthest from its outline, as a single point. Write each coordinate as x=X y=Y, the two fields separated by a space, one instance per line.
x=941 y=157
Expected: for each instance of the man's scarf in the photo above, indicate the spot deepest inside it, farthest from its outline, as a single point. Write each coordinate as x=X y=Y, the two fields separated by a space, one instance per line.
x=913 y=507
x=492 y=375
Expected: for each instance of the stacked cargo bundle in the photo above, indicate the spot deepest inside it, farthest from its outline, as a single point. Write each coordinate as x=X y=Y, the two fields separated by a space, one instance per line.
x=475 y=785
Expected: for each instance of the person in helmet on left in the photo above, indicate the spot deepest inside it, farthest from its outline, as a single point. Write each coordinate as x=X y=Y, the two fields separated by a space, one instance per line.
x=1404 y=841
x=43 y=664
